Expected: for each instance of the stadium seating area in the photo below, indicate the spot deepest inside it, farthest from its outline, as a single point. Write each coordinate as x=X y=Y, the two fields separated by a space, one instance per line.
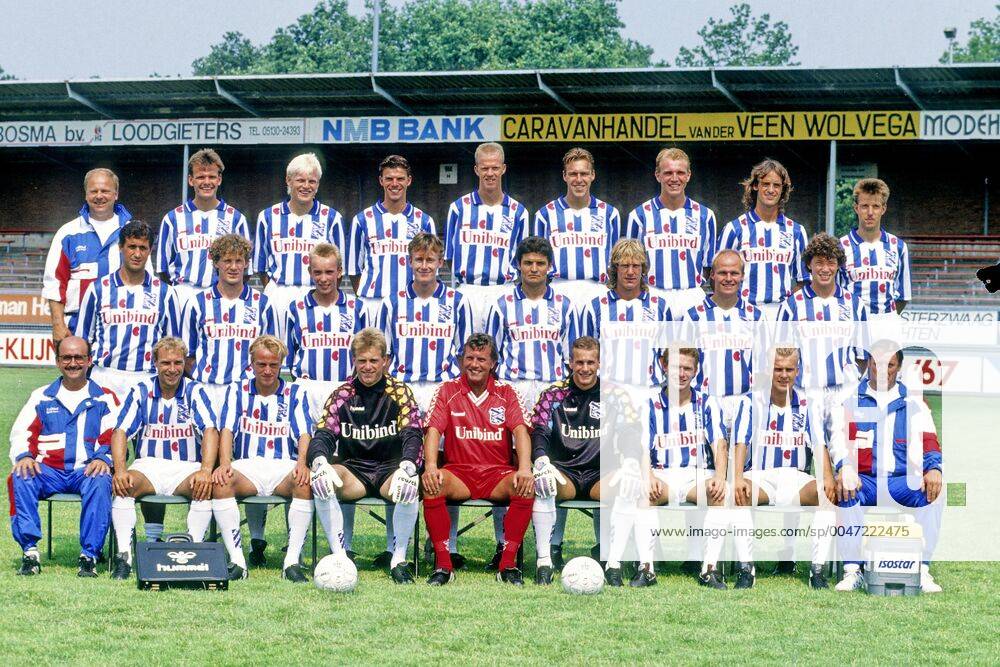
x=943 y=270
x=943 y=267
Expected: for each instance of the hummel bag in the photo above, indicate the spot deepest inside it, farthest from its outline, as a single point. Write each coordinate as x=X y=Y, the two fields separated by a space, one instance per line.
x=177 y=562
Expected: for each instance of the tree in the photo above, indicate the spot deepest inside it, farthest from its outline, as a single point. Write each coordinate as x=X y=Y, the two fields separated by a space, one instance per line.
x=744 y=41
x=983 y=45
x=437 y=35
x=6 y=77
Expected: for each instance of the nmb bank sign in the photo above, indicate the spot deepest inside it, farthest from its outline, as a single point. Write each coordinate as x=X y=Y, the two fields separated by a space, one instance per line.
x=402 y=129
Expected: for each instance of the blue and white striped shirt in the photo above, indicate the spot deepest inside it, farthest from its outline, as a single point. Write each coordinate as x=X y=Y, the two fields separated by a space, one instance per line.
x=533 y=336
x=425 y=336
x=319 y=337
x=777 y=437
x=378 y=248
x=266 y=427
x=772 y=253
x=682 y=436
x=284 y=241
x=581 y=238
x=167 y=428
x=830 y=333
x=680 y=243
x=727 y=351
x=123 y=322
x=186 y=234
x=218 y=332
x=480 y=240
x=877 y=273
x=628 y=331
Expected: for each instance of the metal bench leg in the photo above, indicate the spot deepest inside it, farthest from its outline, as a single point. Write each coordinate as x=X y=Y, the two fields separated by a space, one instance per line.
x=49 y=531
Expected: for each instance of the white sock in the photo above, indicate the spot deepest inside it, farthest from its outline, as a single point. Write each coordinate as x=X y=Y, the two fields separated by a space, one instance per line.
x=199 y=518
x=498 y=516
x=453 y=537
x=347 y=523
x=256 y=518
x=742 y=520
x=331 y=517
x=822 y=526
x=716 y=522
x=390 y=510
x=543 y=517
x=123 y=517
x=404 y=519
x=647 y=523
x=851 y=567
x=153 y=530
x=622 y=519
x=300 y=514
x=227 y=516
x=559 y=529
x=32 y=552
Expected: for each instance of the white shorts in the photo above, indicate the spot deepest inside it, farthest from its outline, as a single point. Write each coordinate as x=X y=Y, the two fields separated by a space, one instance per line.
x=265 y=474
x=680 y=481
x=117 y=381
x=579 y=292
x=280 y=297
x=165 y=475
x=782 y=485
x=680 y=300
x=317 y=392
x=481 y=298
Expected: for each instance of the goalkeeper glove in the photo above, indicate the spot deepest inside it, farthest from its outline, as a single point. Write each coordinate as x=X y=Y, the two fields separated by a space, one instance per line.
x=546 y=478
x=403 y=487
x=324 y=478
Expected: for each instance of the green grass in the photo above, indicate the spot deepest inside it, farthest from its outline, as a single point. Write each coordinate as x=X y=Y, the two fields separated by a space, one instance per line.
x=57 y=618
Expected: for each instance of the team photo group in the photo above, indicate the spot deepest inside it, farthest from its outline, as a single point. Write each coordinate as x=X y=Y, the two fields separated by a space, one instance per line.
x=465 y=361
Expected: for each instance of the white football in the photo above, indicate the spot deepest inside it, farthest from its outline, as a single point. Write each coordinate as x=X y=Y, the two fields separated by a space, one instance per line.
x=336 y=573
x=582 y=576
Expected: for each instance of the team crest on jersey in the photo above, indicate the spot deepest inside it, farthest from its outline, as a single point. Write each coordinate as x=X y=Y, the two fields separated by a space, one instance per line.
x=648 y=314
x=412 y=228
x=150 y=300
x=798 y=421
x=845 y=311
x=506 y=224
x=444 y=313
x=890 y=260
x=347 y=323
x=283 y=407
x=224 y=226
x=784 y=240
x=250 y=314
x=498 y=416
x=555 y=317
x=690 y=226
x=183 y=412
x=318 y=228
x=597 y=222
x=595 y=410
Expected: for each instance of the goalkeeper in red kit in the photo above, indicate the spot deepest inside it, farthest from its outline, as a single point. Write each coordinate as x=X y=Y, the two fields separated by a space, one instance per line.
x=486 y=455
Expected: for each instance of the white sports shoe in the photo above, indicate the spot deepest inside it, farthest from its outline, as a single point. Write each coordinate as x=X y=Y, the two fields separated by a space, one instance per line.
x=927 y=583
x=852 y=581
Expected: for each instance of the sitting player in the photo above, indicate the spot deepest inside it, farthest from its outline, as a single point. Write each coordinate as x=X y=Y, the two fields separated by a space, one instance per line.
x=481 y=421
x=265 y=427
x=172 y=422
x=782 y=436
x=368 y=444
x=566 y=446
x=858 y=483
x=688 y=453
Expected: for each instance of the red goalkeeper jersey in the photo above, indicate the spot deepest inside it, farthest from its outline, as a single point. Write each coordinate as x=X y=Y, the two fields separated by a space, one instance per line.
x=477 y=430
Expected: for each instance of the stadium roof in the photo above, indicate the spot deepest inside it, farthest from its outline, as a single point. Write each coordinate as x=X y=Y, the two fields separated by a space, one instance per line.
x=516 y=92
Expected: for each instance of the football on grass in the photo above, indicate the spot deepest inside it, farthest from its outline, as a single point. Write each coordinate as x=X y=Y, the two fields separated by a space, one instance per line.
x=336 y=573
x=582 y=576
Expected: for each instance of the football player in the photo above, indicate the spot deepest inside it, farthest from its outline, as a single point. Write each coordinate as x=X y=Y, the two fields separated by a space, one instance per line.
x=369 y=443
x=770 y=243
x=482 y=423
x=264 y=430
x=778 y=439
x=677 y=232
x=483 y=230
x=176 y=442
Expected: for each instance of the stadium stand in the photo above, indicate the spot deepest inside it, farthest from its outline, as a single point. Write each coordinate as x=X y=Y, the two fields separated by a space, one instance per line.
x=944 y=269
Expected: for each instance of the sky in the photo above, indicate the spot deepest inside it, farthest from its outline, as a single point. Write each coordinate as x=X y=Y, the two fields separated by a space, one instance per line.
x=78 y=39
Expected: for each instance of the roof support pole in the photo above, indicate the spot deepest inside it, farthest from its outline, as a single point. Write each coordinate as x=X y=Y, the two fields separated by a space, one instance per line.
x=545 y=88
x=379 y=90
x=184 y=179
x=235 y=101
x=93 y=106
x=831 y=190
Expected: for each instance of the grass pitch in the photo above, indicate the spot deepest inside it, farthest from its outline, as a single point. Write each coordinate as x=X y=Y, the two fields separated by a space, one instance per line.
x=57 y=618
